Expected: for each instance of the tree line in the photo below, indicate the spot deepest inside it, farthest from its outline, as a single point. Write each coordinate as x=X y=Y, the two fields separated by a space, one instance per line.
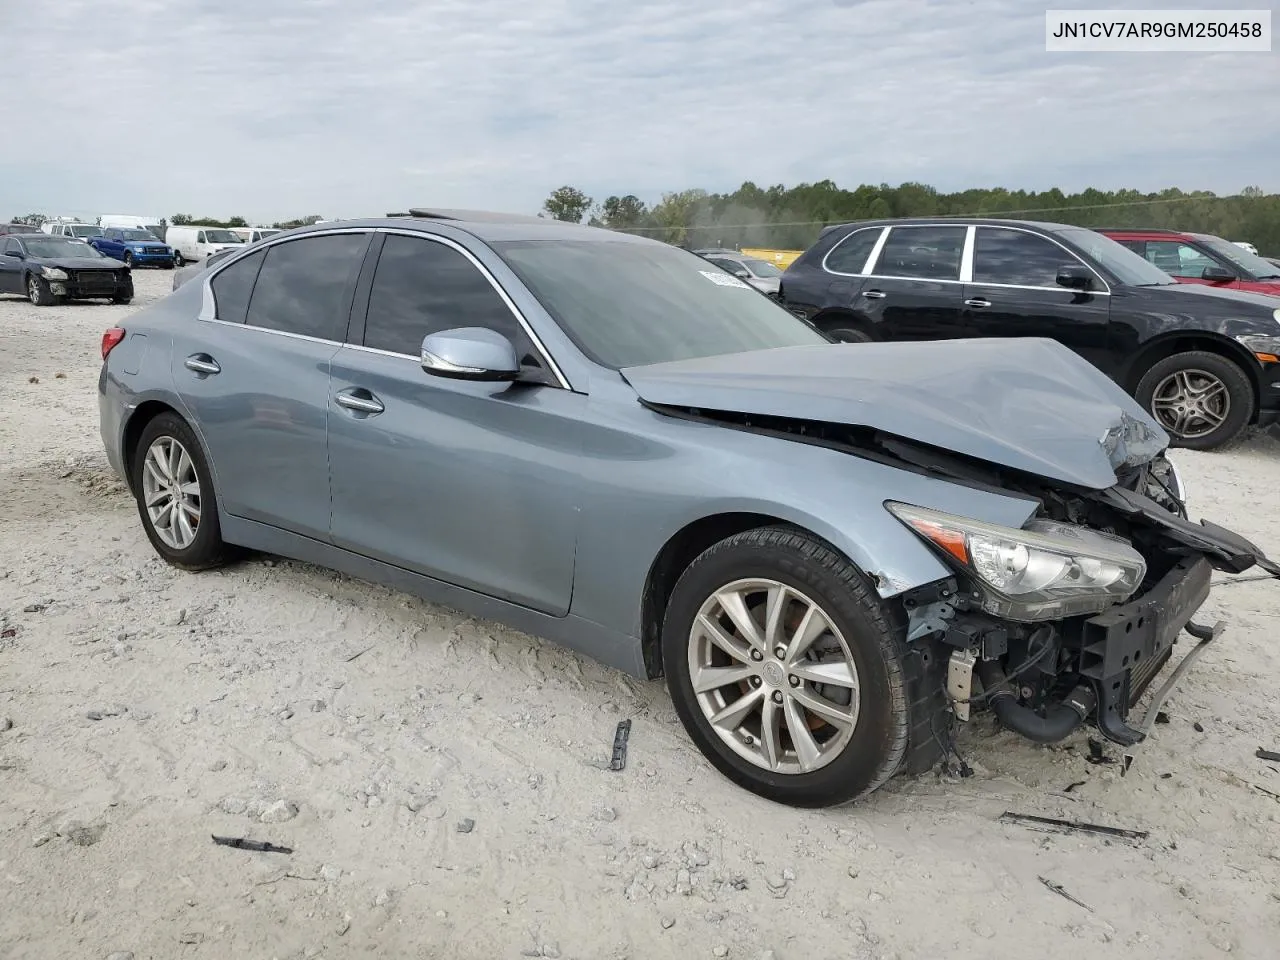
x=790 y=218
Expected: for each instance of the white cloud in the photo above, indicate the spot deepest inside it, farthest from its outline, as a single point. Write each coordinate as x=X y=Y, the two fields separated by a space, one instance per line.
x=273 y=108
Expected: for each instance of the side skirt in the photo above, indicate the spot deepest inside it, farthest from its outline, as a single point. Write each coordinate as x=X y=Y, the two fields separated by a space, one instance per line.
x=583 y=636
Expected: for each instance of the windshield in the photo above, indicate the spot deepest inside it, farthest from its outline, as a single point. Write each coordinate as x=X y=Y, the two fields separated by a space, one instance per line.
x=57 y=248
x=223 y=236
x=1259 y=268
x=629 y=304
x=1119 y=260
x=85 y=231
x=762 y=268
x=145 y=235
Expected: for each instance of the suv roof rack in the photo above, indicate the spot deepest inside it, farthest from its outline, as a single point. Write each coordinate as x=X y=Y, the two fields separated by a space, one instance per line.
x=474 y=216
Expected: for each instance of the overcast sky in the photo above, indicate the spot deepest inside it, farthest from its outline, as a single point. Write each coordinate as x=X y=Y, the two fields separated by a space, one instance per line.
x=279 y=108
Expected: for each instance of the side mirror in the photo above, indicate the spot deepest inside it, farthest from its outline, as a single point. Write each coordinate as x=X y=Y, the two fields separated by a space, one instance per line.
x=470 y=353
x=1074 y=276
x=14 y=253
x=1217 y=275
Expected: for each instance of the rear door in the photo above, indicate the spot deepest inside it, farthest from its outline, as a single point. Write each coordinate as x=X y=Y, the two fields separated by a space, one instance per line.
x=472 y=483
x=1014 y=293
x=913 y=290
x=255 y=374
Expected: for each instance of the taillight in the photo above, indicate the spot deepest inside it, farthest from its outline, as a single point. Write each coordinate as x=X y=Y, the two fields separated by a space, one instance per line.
x=110 y=339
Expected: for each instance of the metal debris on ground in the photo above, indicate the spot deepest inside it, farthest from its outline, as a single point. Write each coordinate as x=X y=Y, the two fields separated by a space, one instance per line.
x=1061 y=891
x=1264 y=754
x=240 y=843
x=1053 y=825
x=620 y=745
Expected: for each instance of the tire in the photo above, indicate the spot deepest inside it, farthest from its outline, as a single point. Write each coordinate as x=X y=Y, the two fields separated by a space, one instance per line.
x=123 y=301
x=38 y=292
x=205 y=549
x=847 y=334
x=1179 y=381
x=178 y=260
x=854 y=763
x=127 y=259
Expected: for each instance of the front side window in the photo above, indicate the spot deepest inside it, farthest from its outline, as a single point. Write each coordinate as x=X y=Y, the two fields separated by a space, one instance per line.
x=200 y=237
x=922 y=253
x=1178 y=259
x=305 y=287
x=1017 y=258
x=233 y=286
x=422 y=287
x=850 y=254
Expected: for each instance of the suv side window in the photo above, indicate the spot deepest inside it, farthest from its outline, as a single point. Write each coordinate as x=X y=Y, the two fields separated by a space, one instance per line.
x=1178 y=259
x=422 y=287
x=850 y=254
x=305 y=286
x=10 y=246
x=1017 y=258
x=922 y=253
x=233 y=286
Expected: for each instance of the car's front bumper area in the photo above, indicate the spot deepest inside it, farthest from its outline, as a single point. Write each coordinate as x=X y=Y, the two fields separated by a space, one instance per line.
x=84 y=288
x=1124 y=649
x=152 y=259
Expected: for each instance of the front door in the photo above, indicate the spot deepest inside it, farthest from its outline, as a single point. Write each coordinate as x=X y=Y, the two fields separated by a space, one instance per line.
x=1015 y=293
x=257 y=377
x=913 y=291
x=10 y=266
x=472 y=483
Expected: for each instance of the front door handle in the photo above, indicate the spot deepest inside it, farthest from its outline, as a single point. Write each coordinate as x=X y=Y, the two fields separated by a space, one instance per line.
x=873 y=294
x=203 y=364
x=359 y=401
x=977 y=302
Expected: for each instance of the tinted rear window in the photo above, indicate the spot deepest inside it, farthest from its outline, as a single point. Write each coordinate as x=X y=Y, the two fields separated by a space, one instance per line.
x=233 y=286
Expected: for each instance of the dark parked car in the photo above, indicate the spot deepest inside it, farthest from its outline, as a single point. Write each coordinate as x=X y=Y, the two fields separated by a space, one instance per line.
x=50 y=270
x=134 y=247
x=592 y=437
x=1201 y=258
x=1205 y=362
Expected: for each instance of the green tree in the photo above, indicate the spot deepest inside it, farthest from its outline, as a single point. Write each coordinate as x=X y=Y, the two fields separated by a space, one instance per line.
x=181 y=219
x=621 y=213
x=568 y=204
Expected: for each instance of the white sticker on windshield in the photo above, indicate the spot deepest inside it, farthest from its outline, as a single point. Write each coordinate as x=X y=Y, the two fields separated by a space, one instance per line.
x=723 y=279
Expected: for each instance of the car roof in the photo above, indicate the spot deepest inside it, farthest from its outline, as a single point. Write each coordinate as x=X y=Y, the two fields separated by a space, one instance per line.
x=488 y=226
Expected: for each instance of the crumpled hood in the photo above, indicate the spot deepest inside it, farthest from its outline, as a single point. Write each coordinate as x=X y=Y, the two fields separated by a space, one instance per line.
x=79 y=263
x=1030 y=404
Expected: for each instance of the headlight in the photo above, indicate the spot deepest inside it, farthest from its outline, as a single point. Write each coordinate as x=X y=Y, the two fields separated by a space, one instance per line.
x=1044 y=571
x=53 y=273
x=1265 y=348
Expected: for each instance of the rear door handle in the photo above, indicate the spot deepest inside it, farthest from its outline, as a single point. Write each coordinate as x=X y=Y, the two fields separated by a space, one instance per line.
x=977 y=302
x=359 y=400
x=873 y=294
x=203 y=364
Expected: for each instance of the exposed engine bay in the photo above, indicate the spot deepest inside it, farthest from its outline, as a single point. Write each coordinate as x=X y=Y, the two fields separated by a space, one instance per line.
x=1045 y=675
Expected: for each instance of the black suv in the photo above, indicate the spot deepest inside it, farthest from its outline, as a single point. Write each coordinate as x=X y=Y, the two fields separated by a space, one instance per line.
x=1204 y=361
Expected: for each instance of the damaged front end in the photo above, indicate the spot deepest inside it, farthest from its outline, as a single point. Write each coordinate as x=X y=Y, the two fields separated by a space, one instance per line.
x=1071 y=619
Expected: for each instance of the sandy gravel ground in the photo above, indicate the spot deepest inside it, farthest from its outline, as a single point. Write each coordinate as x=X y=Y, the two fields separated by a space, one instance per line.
x=443 y=781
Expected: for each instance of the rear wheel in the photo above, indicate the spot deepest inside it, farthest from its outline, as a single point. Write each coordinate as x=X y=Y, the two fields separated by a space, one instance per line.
x=174 y=490
x=787 y=670
x=1202 y=399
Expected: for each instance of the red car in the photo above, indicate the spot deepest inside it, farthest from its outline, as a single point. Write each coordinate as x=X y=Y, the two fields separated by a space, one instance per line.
x=1200 y=258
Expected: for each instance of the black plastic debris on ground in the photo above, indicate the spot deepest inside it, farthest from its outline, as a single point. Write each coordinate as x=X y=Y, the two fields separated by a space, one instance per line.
x=1053 y=825
x=1264 y=754
x=259 y=846
x=620 y=738
x=1097 y=754
x=1199 y=728
x=1162 y=717
x=1072 y=786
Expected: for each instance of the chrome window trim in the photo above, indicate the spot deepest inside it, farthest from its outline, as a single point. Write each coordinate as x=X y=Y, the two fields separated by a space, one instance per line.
x=208 y=309
x=871 y=258
x=1106 y=287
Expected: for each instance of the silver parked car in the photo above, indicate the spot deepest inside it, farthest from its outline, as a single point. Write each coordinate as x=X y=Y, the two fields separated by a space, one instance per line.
x=761 y=274
x=831 y=552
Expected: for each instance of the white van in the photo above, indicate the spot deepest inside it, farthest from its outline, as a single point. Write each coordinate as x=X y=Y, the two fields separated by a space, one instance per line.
x=192 y=244
x=254 y=234
x=63 y=228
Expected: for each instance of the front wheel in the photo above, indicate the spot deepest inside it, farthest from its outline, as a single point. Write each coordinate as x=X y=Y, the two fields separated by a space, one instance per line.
x=847 y=335
x=1202 y=399
x=787 y=670
x=178 y=258
x=38 y=292
x=174 y=489
x=127 y=259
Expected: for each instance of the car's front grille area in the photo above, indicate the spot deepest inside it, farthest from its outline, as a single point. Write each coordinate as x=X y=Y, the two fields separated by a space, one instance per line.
x=104 y=280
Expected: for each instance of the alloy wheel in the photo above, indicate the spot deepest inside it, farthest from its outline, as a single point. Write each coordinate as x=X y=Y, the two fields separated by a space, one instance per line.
x=774 y=676
x=1191 y=403
x=33 y=289
x=171 y=492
